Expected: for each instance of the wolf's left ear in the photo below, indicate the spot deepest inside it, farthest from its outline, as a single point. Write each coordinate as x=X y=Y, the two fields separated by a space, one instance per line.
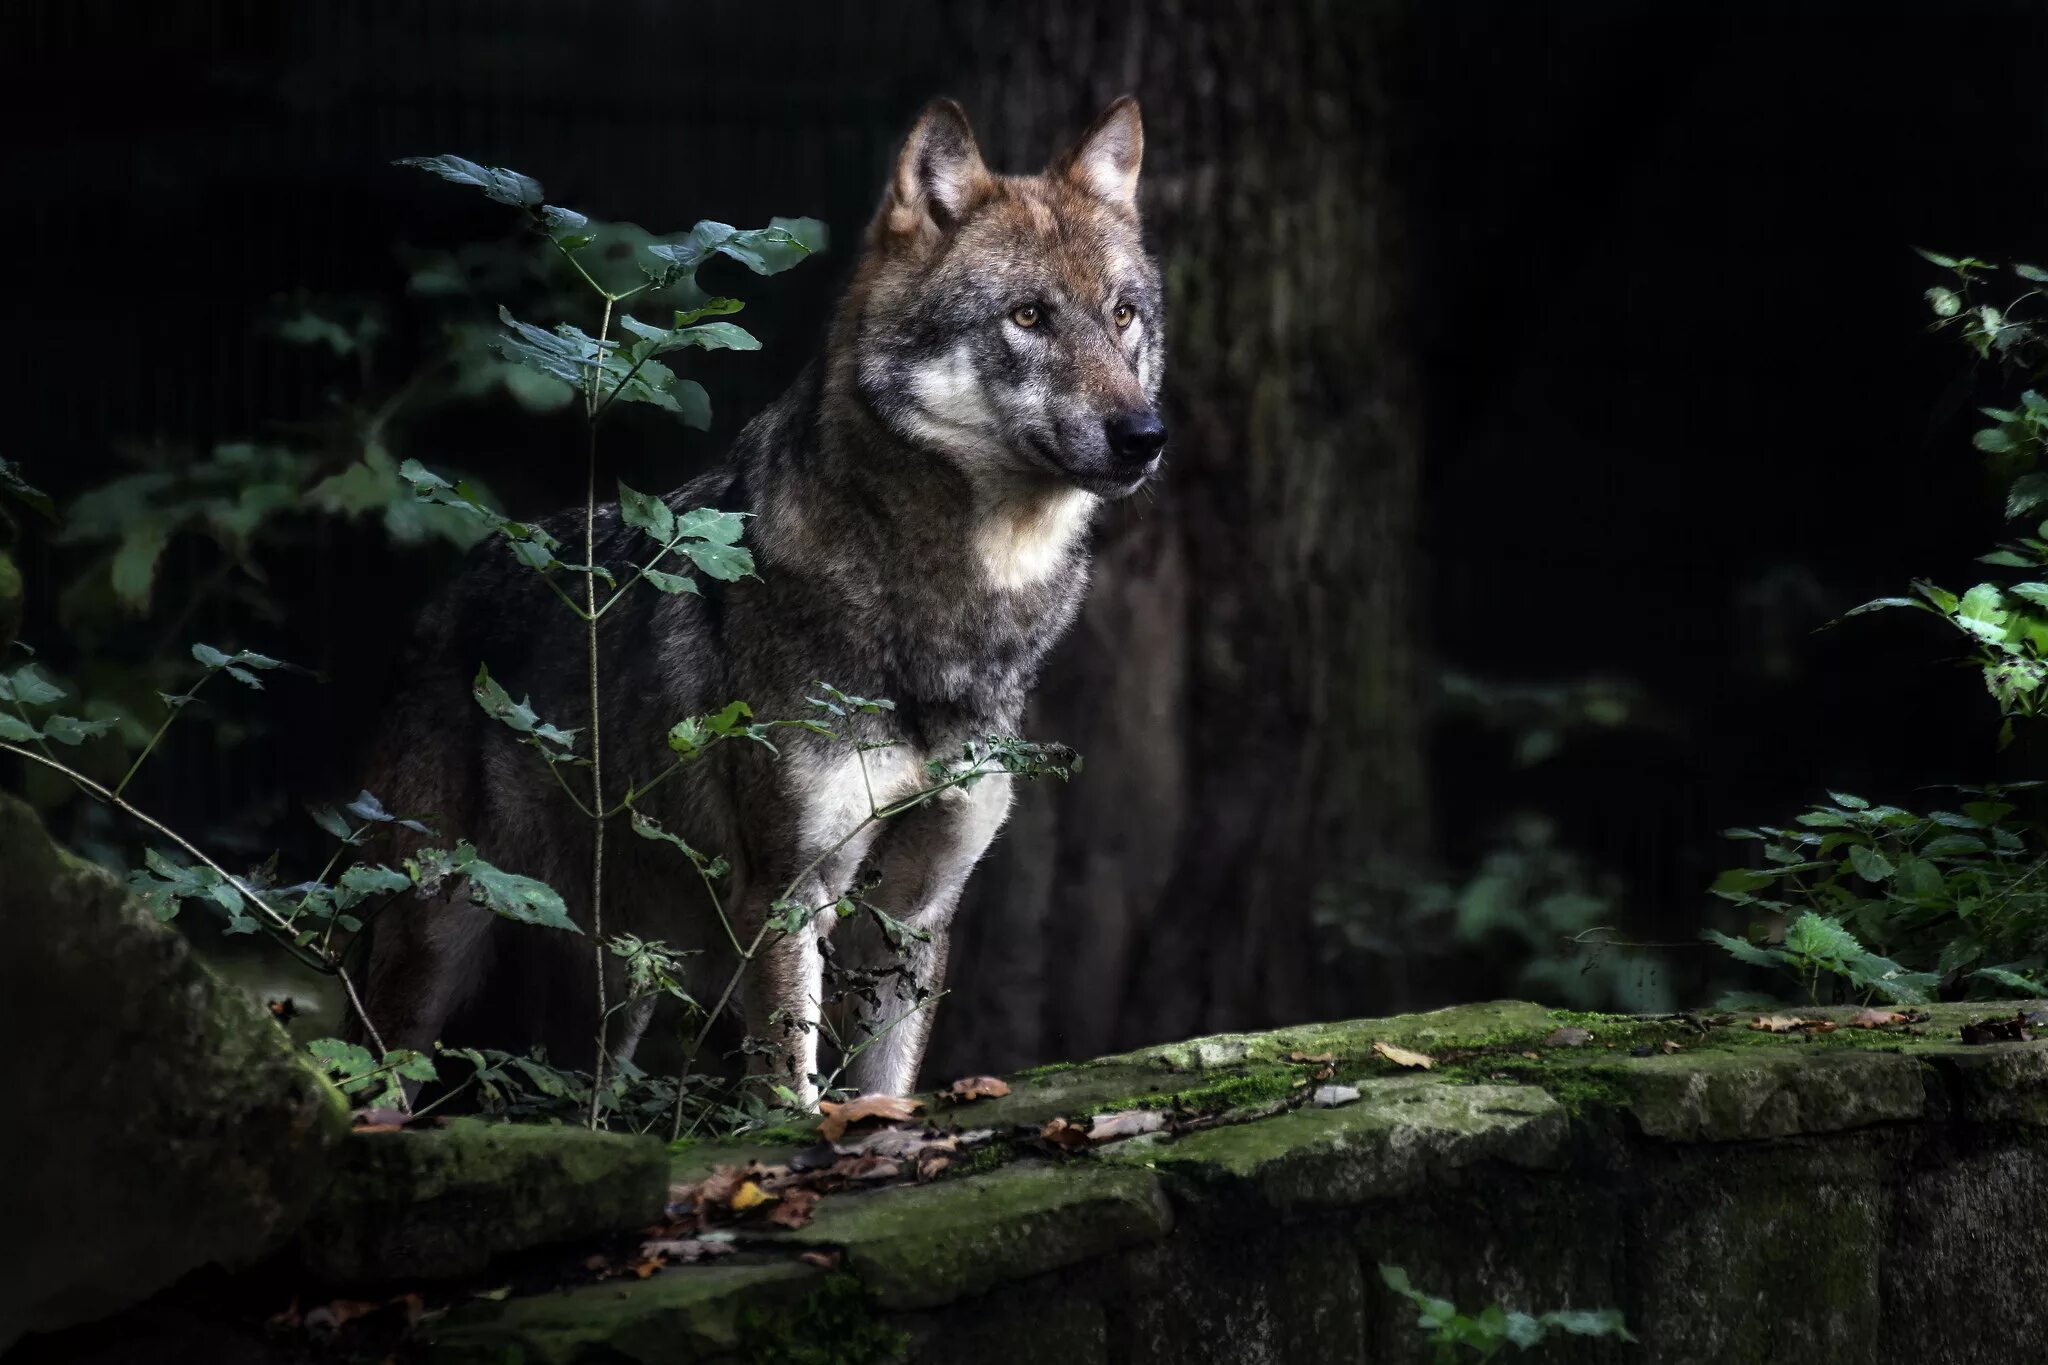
x=939 y=176
x=1105 y=161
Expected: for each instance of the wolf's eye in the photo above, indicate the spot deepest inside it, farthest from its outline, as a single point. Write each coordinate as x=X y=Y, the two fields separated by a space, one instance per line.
x=1026 y=316
x=1125 y=315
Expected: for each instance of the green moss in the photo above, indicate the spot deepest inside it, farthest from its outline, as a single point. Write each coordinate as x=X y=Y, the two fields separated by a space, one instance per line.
x=782 y=1134
x=1236 y=1090
x=836 y=1324
x=921 y=1246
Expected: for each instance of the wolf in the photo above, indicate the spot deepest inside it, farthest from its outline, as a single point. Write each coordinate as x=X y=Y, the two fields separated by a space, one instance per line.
x=920 y=500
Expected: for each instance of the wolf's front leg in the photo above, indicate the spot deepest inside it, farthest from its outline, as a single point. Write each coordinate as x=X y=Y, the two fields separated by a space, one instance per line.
x=781 y=990
x=924 y=861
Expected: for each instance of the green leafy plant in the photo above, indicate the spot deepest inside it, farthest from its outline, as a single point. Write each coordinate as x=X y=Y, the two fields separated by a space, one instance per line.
x=1455 y=1335
x=1875 y=901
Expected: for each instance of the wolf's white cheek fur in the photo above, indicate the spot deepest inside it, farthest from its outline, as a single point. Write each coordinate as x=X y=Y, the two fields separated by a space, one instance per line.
x=950 y=407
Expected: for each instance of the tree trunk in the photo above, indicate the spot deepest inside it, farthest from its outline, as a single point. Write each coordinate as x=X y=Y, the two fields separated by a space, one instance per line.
x=1244 y=681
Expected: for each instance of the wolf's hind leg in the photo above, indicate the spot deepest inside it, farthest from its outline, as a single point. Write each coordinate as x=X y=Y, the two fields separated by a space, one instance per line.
x=924 y=861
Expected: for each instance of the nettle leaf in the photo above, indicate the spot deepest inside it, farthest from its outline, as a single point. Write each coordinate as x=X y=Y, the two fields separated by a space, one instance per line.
x=330 y=820
x=72 y=730
x=29 y=687
x=727 y=562
x=564 y=225
x=709 y=336
x=710 y=524
x=647 y=513
x=367 y=807
x=237 y=665
x=670 y=582
x=790 y=917
x=1870 y=864
x=765 y=251
x=505 y=186
x=1742 y=950
x=573 y=357
x=2027 y=987
x=517 y=715
x=648 y=828
x=1821 y=939
x=516 y=897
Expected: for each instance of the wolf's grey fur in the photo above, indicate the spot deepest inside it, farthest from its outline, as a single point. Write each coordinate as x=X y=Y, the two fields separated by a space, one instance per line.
x=920 y=497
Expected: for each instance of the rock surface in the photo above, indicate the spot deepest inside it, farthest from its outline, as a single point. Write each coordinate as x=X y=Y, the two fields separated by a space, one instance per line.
x=1846 y=1196
x=162 y=1120
x=441 y=1203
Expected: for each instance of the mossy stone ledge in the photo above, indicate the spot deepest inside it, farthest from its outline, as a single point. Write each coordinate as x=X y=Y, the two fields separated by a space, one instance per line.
x=1850 y=1196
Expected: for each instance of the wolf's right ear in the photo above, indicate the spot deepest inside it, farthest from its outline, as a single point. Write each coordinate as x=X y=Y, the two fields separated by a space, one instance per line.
x=939 y=177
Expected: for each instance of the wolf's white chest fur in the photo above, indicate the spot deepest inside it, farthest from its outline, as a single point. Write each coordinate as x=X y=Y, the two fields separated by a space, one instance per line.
x=1022 y=545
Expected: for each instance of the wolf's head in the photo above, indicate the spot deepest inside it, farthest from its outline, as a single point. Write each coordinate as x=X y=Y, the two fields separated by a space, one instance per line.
x=1011 y=324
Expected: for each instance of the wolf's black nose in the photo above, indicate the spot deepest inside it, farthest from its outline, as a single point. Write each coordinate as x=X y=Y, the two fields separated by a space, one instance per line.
x=1135 y=437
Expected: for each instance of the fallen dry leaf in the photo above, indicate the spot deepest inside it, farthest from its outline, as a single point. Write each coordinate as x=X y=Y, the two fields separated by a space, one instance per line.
x=1673 y=1045
x=2013 y=1030
x=824 y=1260
x=379 y=1120
x=868 y=1167
x=1401 y=1056
x=331 y=1317
x=1569 y=1036
x=684 y=1250
x=1330 y=1096
x=1128 y=1123
x=839 y=1117
x=1875 y=1018
x=1065 y=1135
x=715 y=1191
x=979 y=1088
x=1531 y=1056
x=750 y=1195
x=1777 y=1023
x=795 y=1208
x=1298 y=1056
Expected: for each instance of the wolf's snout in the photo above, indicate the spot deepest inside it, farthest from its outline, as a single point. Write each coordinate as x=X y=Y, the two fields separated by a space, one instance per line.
x=1135 y=437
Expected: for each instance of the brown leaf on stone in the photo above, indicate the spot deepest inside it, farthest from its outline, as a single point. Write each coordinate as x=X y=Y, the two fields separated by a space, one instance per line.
x=1777 y=1023
x=328 y=1318
x=1065 y=1135
x=1299 y=1056
x=684 y=1250
x=867 y=1167
x=1401 y=1056
x=1531 y=1056
x=1569 y=1036
x=824 y=1260
x=1875 y=1018
x=597 y=1261
x=1821 y=1026
x=2013 y=1030
x=715 y=1191
x=379 y=1120
x=1673 y=1045
x=795 y=1208
x=839 y=1117
x=1127 y=1123
x=978 y=1088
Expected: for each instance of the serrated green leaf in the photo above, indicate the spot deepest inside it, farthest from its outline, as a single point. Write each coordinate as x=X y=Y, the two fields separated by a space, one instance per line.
x=727 y=562
x=72 y=730
x=1870 y=864
x=646 y=513
x=505 y=186
x=671 y=582
x=28 y=686
x=1742 y=950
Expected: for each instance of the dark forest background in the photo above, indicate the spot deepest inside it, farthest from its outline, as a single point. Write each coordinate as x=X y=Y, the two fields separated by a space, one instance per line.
x=1543 y=377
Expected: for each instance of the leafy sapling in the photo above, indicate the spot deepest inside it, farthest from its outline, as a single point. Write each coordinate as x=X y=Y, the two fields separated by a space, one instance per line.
x=608 y=370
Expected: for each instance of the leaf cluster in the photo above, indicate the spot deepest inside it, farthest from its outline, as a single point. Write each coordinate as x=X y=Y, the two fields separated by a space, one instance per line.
x=1456 y=1335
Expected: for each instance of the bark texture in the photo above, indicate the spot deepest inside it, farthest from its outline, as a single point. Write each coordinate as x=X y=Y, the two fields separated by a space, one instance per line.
x=1244 y=679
